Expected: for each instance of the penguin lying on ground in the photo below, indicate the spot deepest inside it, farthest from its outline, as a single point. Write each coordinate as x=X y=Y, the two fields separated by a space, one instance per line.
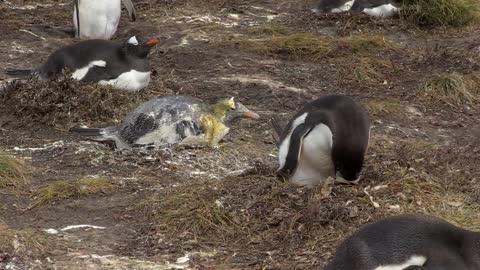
x=376 y=8
x=99 y=18
x=412 y=242
x=171 y=120
x=123 y=66
x=328 y=137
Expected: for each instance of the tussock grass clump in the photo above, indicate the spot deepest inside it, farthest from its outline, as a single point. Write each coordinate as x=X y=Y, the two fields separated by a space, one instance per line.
x=62 y=189
x=68 y=103
x=441 y=12
x=310 y=46
x=383 y=107
x=454 y=89
x=195 y=208
x=13 y=172
x=24 y=242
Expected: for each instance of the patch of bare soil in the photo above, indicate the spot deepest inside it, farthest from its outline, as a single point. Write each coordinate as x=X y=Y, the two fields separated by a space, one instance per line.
x=225 y=208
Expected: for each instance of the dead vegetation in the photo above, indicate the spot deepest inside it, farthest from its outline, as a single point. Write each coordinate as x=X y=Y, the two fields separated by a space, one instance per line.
x=67 y=103
x=383 y=107
x=454 y=89
x=62 y=189
x=25 y=243
x=311 y=47
x=13 y=172
x=441 y=12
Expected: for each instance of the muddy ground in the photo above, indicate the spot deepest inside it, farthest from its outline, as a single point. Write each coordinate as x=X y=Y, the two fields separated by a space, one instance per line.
x=423 y=157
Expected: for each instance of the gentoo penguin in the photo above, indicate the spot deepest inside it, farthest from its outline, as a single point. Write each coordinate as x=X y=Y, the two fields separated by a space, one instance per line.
x=99 y=18
x=173 y=119
x=123 y=66
x=409 y=242
x=376 y=8
x=328 y=137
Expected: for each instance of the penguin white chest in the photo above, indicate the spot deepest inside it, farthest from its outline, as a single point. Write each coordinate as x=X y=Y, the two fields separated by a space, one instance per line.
x=98 y=18
x=345 y=7
x=132 y=80
x=315 y=160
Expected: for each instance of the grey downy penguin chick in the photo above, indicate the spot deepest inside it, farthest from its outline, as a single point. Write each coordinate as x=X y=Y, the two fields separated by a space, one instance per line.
x=123 y=66
x=376 y=8
x=409 y=242
x=328 y=137
x=171 y=120
x=99 y=18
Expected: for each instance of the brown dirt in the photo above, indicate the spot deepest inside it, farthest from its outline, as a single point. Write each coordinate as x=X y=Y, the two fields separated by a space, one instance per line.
x=424 y=155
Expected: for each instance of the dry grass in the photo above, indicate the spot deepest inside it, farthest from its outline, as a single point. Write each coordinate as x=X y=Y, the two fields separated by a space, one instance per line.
x=310 y=46
x=270 y=29
x=67 y=103
x=62 y=190
x=24 y=243
x=441 y=12
x=454 y=89
x=383 y=107
x=13 y=172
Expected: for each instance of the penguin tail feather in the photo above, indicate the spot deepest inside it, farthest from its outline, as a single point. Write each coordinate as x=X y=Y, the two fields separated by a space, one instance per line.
x=277 y=128
x=89 y=132
x=19 y=73
x=103 y=135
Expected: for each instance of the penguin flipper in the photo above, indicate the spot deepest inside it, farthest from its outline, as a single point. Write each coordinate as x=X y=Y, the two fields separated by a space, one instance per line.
x=96 y=74
x=295 y=148
x=277 y=128
x=130 y=9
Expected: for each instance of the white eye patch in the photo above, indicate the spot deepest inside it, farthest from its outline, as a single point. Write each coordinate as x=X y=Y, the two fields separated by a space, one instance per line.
x=133 y=40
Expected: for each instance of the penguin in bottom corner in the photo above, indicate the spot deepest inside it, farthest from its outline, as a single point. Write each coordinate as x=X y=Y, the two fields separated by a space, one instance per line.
x=328 y=137
x=409 y=242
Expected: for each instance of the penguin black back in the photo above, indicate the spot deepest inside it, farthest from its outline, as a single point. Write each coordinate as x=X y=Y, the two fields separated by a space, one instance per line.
x=349 y=125
x=409 y=242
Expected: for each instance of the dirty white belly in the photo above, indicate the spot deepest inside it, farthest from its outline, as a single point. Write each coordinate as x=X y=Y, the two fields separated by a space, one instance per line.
x=345 y=7
x=415 y=260
x=130 y=81
x=98 y=18
x=315 y=163
x=382 y=11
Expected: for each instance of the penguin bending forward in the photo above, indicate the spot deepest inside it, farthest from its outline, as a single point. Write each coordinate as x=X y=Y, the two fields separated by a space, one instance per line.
x=409 y=242
x=376 y=8
x=123 y=66
x=99 y=18
x=171 y=120
x=328 y=137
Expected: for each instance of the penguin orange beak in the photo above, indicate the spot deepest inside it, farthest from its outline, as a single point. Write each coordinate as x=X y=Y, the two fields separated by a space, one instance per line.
x=152 y=41
x=251 y=115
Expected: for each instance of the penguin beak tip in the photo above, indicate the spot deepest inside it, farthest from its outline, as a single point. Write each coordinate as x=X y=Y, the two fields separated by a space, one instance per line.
x=251 y=115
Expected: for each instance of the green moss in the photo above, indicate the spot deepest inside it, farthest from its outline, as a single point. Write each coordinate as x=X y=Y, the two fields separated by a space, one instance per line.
x=13 y=172
x=441 y=12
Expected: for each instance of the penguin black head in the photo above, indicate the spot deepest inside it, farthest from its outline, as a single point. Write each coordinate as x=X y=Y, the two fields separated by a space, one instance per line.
x=139 y=46
x=348 y=170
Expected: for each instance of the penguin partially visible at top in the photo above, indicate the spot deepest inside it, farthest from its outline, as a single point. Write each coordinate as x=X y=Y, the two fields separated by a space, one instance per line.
x=171 y=120
x=99 y=18
x=413 y=242
x=123 y=66
x=328 y=137
x=376 y=8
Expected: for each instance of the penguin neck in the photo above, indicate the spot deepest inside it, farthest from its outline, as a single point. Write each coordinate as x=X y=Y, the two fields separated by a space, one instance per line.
x=220 y=113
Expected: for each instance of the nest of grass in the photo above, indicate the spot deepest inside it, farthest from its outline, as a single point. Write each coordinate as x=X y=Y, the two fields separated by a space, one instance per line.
x=454 y=89
x=67 y=103
x=13 y=172
x=441 y=12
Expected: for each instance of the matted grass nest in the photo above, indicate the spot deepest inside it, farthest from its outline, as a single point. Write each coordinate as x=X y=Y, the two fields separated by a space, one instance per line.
x=441 y=12
x=25 y=243
x=67 y=103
